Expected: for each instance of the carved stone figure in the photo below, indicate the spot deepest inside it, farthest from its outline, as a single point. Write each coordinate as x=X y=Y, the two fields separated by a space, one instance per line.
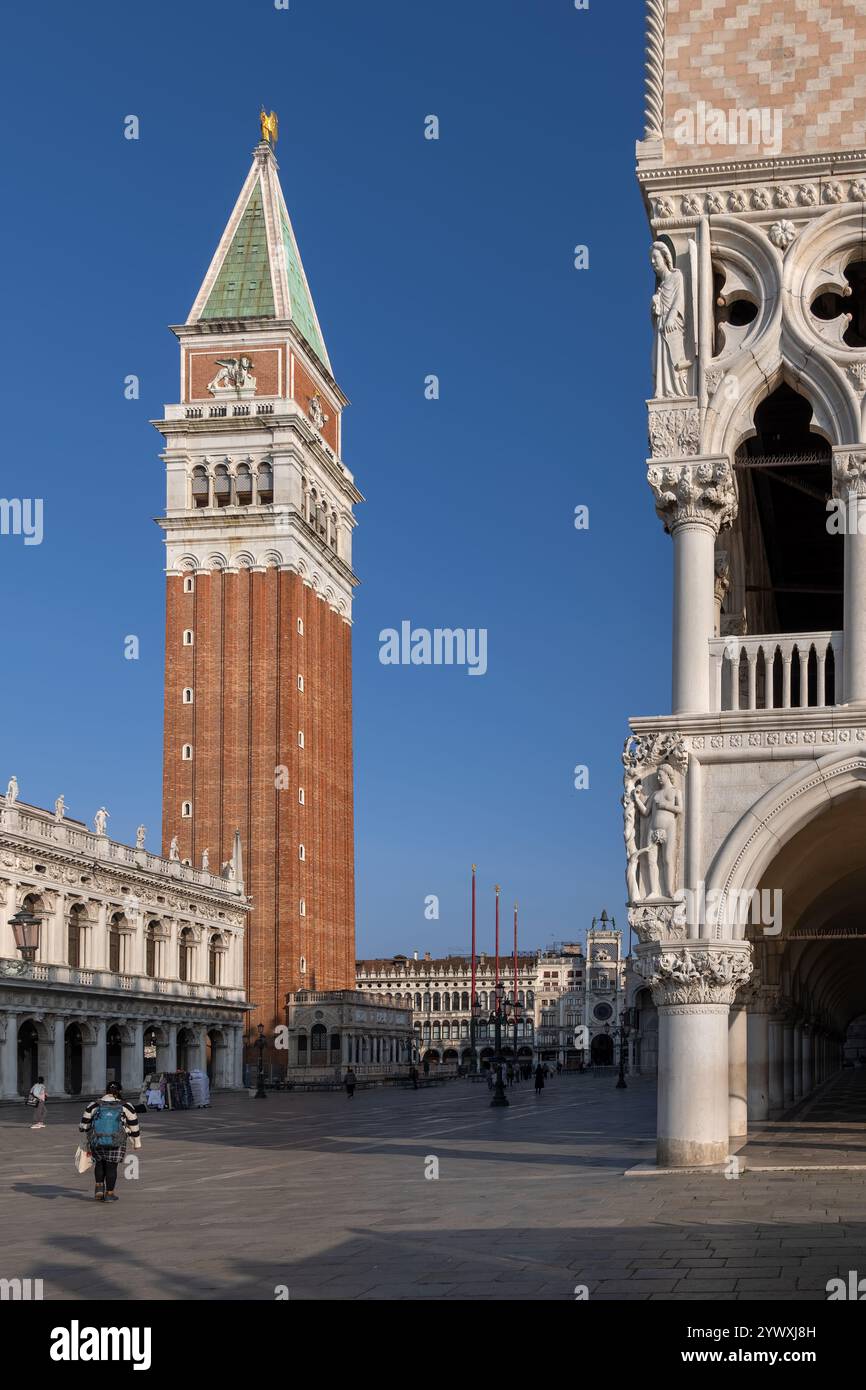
x=12 y=791
x=140 y=836
x=235 y=373
x=59 y=807
x=317 y=414
x=228 y=870
x=173 y=849
x=653 y=843
x=668 y=309
x=205 y=858
x=100 y=821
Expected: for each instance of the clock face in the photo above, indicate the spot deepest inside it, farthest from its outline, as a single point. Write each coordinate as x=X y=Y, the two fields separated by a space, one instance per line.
x=602 y=1012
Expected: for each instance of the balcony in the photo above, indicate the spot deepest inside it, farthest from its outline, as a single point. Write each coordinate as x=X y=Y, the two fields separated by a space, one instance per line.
x=776 y=671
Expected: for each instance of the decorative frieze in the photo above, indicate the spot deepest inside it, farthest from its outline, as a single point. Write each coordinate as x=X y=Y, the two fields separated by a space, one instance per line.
x=849 y=473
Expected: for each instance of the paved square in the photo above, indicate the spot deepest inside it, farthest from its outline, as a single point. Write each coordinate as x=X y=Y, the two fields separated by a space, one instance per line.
x=329 y=1197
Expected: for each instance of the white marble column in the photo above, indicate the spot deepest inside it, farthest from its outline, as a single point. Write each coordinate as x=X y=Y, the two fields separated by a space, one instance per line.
x=738 y=1114
x=693 y=988
x=849 y=486
x=759 y=1062
x=694 y=498
x=9 y=1056
x=132 y=1063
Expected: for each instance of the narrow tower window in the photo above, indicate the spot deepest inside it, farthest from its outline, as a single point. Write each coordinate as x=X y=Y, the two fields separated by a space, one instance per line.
x=265 y=482
x=186 y=809
x=188 y=584
x=301 y=796
x=300 y=682
x=187 y=696
x=302 y=853
x=187 y=637
x=186 y=752
x=300 y=627
x=200 y=488
x=300 y=738
x=302 y=908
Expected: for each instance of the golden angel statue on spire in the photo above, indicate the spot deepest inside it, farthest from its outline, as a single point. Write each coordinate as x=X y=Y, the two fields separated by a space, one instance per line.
x=270 y=126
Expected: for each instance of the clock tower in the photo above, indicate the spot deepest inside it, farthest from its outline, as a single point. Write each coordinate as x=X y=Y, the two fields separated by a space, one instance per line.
x=258 y=534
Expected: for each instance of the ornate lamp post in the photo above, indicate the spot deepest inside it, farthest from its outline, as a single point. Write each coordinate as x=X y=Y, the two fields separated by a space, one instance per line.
x=25 y=929
x=499 y=1096
x=261 y=1043
x=621 y=1033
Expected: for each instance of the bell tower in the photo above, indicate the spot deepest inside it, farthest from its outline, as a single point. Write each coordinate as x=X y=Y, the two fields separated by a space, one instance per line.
x=258 y=535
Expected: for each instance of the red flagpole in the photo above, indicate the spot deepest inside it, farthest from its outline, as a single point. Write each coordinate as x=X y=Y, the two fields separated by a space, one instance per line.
x=515 y=953
x=496 y=976
x=472 y=1000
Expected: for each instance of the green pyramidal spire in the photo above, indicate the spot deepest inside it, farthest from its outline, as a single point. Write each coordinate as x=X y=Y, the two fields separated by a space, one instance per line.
x=257 y=270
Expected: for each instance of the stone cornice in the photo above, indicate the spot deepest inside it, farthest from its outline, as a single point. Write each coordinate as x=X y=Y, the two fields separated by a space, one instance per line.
x=761 y=734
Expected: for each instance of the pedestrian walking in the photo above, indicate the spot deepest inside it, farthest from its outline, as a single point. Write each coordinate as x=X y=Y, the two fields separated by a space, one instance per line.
x=350 y=1083
x=559 y=1069
x=38 y=1096
x=413 y=1072
x=509 y=1074
x=539 y=1079
x=490 y=1078
x=109 y=1124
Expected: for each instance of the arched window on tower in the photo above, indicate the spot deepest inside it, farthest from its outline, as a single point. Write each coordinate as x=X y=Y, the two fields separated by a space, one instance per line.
x=265 y=483
x=243 y=486
x=222 y=486
x=200 y=487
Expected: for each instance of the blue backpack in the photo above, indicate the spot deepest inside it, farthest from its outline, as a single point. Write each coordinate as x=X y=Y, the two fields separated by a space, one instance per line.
x=106 y=1130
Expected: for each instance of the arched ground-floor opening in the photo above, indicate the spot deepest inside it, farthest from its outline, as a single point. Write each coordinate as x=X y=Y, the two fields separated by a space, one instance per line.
x=73 y=1060
x=601 y=1050
x=28 y=1056
x=753 y=1020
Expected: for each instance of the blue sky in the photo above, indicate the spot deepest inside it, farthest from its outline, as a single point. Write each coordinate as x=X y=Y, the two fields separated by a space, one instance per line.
x=452 y=257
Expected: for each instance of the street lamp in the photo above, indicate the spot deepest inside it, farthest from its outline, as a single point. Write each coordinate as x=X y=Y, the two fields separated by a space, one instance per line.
x=25 y=929
x=499 y=1096
x=621 y=1033
x=261 y=1043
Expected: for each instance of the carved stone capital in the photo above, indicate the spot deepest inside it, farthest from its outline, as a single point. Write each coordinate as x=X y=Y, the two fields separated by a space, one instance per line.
x=695 y=974
x=657 y=922
x=674 y=430
x=702 y=491
x=849 y=473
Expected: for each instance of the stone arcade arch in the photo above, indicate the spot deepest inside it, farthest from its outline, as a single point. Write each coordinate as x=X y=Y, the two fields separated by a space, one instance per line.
x=740 y=1046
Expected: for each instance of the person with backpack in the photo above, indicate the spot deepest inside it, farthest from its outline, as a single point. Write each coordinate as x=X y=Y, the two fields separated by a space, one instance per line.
x=38 y=1096
x=108 y=1124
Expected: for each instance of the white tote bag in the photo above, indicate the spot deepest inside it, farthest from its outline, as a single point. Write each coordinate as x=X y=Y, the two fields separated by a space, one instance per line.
x=83 y=1160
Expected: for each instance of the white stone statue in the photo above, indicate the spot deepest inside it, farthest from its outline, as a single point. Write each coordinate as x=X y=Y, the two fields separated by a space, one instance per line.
x=205 y=858
x=59 y=808
x=100 y=821
x=668 y=308
x=140 y=836
x=12 y=791
x=662 y=808
x=173 y=849
x=228 y=870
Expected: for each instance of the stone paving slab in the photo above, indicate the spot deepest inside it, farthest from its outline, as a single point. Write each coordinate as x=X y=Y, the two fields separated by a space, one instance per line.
x=329 y=1198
